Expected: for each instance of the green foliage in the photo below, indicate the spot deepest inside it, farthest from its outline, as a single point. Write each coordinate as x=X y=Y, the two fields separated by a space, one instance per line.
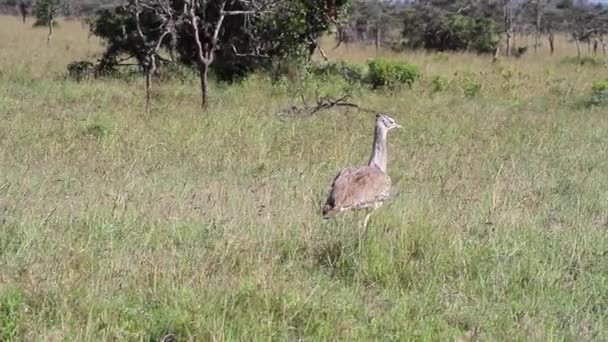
x=352 y=73
x=438 y=28
x=11 y=302
x=565 y=4
x=245 y=45
x=391 y=74
x=470 y=85
x=439 y=84
x=599 y=93
x=46 y=12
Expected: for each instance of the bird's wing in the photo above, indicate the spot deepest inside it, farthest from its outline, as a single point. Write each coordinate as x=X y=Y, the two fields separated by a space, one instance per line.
x=358 y=187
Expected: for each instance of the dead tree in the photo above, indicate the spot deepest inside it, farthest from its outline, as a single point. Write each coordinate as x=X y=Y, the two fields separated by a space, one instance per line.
x=150 y=45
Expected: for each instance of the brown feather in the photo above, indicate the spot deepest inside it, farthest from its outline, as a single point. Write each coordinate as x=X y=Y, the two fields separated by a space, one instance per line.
x=357 y=188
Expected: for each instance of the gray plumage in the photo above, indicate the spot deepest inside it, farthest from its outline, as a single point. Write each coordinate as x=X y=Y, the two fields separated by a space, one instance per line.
x=364 y=187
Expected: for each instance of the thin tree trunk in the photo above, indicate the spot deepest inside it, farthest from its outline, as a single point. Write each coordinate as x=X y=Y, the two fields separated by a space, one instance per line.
x=50 y=35
x=595 y=45
x=508 y=44
x=203 y=69
x=578 y=48
x=150 y=71
x=378 y=37
x=24 y=17
x=322 y=53
x=551 y=43
x=538 y=23
x=148 y=90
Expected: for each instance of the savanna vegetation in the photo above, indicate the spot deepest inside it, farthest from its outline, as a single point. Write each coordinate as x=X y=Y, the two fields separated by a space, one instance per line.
x=133 y=217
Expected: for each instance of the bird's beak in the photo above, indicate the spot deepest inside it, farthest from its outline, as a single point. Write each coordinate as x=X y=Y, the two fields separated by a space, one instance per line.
x=398 y=126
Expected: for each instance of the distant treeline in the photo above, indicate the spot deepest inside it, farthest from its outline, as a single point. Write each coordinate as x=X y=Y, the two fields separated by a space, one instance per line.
x=69 y=7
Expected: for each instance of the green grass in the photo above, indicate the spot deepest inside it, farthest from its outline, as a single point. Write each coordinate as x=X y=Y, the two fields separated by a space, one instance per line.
x=121 y=225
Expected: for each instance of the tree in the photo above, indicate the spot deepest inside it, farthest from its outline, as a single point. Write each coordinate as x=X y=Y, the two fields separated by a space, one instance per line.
x=205 y=19
x=508 y=23
x=150 y=42
x=231 y=37
x=549 y=26
x=46 y=12
x=254 y=31
x=24 y=7
x=137 y=30
x=539 y=7
x=451 y=26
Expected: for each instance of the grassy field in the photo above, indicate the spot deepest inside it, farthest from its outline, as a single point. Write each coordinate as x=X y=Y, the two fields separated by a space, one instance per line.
x=121 y=225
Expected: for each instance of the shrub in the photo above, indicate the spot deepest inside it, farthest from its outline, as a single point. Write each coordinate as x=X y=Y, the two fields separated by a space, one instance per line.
x=81 y=70
x=470 y=86
x=391 y=74
x=439 y=84
x=599 y=93
x=352 y=73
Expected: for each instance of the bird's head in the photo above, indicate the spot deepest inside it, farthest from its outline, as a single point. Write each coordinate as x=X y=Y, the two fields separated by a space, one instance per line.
x=386 y=122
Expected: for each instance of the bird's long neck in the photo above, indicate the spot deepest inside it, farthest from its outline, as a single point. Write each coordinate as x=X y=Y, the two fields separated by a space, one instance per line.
x=378 y=157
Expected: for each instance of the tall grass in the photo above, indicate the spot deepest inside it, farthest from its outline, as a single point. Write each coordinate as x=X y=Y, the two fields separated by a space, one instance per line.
x=121 y=225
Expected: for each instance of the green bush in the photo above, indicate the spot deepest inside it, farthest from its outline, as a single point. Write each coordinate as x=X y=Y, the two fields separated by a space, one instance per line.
x=470 y=86
x=439 y=84
x=391 y=74
x=599 y=93
x=352 y=73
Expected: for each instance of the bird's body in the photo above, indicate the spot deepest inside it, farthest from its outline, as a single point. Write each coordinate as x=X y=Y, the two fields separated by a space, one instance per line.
x=357 y=188
x=364 y=187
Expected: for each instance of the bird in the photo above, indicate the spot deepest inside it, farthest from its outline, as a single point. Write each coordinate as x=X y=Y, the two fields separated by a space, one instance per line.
x=363 y=187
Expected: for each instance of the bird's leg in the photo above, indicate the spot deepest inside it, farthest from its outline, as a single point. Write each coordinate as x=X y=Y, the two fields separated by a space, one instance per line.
x=368 y=213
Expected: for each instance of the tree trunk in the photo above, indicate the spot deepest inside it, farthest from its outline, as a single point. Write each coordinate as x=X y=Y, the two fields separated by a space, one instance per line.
x=508 y=20
x=496 y=54
x=24 y=17
x=551 y=43
x=50 y=35
x=595 y=45
x=322 y=53
x=538 y=23
x=203 y=70
x=578 y=48
x=378 y=36
x=148 y=90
